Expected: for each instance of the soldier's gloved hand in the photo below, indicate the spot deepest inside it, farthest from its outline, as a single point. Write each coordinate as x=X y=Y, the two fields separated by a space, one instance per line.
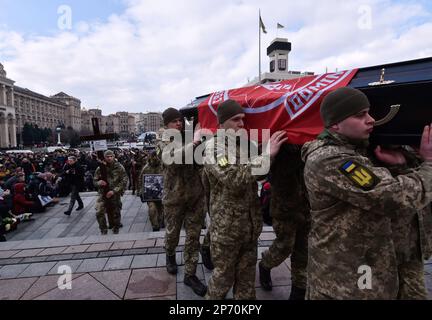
x=426 y=144
x=102 y=183
x=109 y=194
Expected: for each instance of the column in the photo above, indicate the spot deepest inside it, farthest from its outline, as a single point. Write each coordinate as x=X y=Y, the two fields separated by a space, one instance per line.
x=13 y=141
x=5 y=133
x=2 y=132
x=12 y=97
x=2 y=94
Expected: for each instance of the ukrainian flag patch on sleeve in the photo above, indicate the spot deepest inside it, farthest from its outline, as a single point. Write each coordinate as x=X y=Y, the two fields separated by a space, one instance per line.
x=361 y=176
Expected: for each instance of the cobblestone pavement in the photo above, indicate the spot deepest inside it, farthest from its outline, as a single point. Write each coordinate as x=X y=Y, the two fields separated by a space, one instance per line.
x=130 y=265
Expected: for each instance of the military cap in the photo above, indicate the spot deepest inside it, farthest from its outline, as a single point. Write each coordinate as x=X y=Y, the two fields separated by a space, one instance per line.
x=228 y=109
x=341 y=104
x=170 y=114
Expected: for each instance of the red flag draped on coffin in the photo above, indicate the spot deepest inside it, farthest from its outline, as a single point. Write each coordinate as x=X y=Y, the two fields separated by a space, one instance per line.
x=290 y=105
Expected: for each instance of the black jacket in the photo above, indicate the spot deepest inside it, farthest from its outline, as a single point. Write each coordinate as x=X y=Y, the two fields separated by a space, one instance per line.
x=74 y=174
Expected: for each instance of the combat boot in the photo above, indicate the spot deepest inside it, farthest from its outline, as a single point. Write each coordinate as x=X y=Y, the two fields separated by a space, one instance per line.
x=171 y=264
x=265 y=278
x=206 y=257
x=115 y=230
x=104 y=231
x=297 y=293
x=195 y=284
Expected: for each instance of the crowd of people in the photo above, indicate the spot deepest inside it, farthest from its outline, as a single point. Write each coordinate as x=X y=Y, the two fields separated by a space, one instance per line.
x=29 y=183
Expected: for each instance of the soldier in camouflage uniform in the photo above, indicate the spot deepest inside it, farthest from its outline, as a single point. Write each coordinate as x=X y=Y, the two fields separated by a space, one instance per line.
x=155 y=208
x=183 y=203
x=236 y=220
x=351 y=249
x=289 y=209
x=412 y=237
x=117 y=182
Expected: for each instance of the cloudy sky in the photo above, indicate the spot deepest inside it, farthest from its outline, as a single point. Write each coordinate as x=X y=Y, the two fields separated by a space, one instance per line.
x=140 y=55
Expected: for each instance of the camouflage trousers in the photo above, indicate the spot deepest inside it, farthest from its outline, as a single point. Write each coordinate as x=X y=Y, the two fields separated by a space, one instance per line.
x=412 y=281
x=234 y=266
x=114 y=217
x=155 y=211
x=191 y=215
x=291 y=239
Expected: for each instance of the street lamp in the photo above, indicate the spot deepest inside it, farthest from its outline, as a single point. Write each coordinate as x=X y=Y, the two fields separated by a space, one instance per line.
x=58 y=130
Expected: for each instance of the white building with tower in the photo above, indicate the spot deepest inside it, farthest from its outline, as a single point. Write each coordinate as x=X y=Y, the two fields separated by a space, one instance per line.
x=278 y=53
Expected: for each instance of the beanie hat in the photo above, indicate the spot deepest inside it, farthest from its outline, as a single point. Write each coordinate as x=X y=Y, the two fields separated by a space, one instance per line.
x=170 y=114
x=109 y=153
x=227 y=110
x=341 y=104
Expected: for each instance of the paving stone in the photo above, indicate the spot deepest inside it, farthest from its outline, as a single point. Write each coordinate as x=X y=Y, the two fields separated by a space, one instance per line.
x=113 y=253
x=76 y=249
x=59 y=257
x=52 y=251
x=138 y=251
x=158 y=298
x=45 y=284
x=156 y=250
x=33 y=259
x=150 y=283
x=12 y=271
x=13 y=289
x=117 y=263
x=27 y=253
x=99 y=247
x=7 y=254
x=84 y=287
x=148 y=243
x=160 y=242
x=144 y=261
x=85 y=255
x=37 y=269
x=73 y=264
x=4 y=262
x=116 y=281
x=92 y=265
x=267 y=236
x=122 y=245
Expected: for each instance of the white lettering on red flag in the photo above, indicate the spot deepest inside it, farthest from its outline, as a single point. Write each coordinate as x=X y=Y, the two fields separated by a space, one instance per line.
x=290 y=105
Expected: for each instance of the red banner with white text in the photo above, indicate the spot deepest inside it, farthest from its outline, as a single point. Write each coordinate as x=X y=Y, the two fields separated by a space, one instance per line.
x=290 y=105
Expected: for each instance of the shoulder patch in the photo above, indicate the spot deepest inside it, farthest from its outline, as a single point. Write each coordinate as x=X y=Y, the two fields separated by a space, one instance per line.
x=222 y=162
x=361 y=176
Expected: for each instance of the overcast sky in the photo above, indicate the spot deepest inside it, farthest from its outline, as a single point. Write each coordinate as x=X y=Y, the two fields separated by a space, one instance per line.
x=139 y=55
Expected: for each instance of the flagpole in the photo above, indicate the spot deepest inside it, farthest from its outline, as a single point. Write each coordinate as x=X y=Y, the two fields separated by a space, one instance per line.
x=259 y=46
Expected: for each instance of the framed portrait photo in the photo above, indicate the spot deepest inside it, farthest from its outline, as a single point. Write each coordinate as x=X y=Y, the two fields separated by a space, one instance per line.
x=152 y=187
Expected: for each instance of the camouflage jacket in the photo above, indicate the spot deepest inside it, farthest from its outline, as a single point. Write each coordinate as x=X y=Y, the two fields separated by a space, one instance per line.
x=233 y=196
x=352 y=204
x=412 y=229
x=117 y=179
x=182 y=182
